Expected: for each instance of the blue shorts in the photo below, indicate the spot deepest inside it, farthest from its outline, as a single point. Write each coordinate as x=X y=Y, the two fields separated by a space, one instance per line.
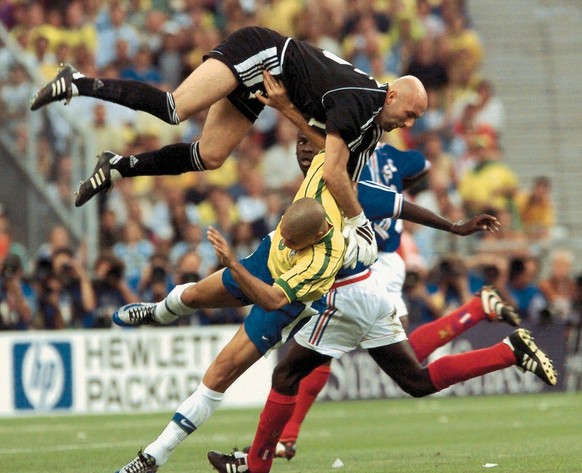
x=268 y=329
x=256 y=264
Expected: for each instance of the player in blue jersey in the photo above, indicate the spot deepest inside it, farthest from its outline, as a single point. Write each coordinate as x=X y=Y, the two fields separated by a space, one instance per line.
x=359 y=312
x=398 y=170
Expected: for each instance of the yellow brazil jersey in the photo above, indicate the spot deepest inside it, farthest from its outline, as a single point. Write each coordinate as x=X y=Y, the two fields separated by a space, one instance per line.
x=308 y=274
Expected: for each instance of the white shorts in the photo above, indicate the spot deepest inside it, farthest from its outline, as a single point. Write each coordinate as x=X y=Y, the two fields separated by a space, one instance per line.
x=359 y=312
x=391 y=271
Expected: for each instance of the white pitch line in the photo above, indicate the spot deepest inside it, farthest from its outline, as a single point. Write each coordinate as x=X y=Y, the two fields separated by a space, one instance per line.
x=88 y=445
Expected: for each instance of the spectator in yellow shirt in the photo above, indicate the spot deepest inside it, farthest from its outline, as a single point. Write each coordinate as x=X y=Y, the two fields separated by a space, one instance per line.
x=537 y=209
x=490 y=184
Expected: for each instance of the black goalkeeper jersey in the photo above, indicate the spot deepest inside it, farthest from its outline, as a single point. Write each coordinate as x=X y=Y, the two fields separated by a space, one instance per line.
x=328 y=90
x=331 y=91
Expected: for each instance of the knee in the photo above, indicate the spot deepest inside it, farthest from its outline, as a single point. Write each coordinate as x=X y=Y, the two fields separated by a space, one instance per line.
x=212 y=159
x=190 y=294
x=416 y=392
x=417 y=388
x=212 y=164
x=283 y=382
x=221 y=374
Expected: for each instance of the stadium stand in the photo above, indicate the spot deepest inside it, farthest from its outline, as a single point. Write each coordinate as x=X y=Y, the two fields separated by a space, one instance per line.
x=491 y=97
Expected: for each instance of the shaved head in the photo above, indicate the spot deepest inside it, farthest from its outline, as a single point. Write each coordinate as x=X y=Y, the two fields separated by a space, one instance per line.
x=411 y=87
x=303 y=223
x=406 y=100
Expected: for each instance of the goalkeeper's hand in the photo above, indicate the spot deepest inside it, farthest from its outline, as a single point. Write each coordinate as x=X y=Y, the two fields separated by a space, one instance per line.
x=359 y=229
x=351 y=256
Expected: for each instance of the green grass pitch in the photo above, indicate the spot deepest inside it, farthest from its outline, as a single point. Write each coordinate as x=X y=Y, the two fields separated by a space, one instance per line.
x=519 y=434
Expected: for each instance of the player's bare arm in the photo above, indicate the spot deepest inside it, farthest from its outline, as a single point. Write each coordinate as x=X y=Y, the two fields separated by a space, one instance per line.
x=336 y=176
x=358 y=231
x=278 y=99
x=423 y=216
x=268 y=297
x=478 y=223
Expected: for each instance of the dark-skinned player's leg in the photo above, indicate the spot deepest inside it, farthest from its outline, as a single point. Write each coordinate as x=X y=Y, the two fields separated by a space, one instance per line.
x=297 y=363
x=309 y=389
x=399 y=362
x=486 y=305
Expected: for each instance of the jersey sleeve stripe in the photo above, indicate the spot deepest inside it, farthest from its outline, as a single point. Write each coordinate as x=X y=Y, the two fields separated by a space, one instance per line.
x=382 y=91
x=289 y=292
x=365 y=154
x=284 y=52
x=398 y=202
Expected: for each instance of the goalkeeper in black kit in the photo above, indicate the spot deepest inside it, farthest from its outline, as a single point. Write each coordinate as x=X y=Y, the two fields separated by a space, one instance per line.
x=349 y=105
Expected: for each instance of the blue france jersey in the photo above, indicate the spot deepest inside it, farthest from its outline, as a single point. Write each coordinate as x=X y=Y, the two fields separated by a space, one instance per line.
x=390 y=167
x=380 y=194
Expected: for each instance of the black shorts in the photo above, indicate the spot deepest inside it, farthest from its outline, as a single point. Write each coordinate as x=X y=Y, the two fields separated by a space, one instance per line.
x=248 y=52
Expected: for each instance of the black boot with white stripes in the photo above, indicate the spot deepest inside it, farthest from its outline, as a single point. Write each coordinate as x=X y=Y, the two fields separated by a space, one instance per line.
x=530 y=358
x=236 y=462
x=102 y=178
x=59 y=88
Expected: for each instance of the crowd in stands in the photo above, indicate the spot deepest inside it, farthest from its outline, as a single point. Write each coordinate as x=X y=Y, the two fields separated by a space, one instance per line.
x=152 y=229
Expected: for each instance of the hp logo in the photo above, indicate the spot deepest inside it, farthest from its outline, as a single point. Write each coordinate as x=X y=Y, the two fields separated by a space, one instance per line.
x=42 y=376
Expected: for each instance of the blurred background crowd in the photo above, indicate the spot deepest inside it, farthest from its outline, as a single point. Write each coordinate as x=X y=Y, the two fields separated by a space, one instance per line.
x=152 y=229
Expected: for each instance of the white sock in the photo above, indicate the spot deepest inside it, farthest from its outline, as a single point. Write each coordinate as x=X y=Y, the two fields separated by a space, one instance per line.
x=74 y=89
x=200 y=405
x=191 y=414
x=165 y=444
x=172 y=307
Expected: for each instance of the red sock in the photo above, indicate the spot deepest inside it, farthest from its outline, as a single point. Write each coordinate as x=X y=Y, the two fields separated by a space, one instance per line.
x=452 y=369
x=428 y=337
x=277 y=411
x=309 y=388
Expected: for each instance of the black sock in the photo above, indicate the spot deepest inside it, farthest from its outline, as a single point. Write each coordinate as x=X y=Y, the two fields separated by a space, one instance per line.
x=169 y=160
x=132 y=94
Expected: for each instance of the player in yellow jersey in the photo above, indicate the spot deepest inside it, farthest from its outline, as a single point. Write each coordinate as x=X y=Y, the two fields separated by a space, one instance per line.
x=285 y=278
x=308 y=271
